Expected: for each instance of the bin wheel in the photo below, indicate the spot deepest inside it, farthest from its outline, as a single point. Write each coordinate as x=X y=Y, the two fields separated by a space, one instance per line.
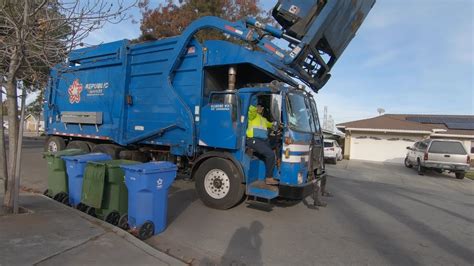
x=56 y=197
x=81 y=207
x=65 y=200
x=113 y=217
x=59 y=197
x=91 y=211
x=146 y=230
x=46 y=193
x=123 y=222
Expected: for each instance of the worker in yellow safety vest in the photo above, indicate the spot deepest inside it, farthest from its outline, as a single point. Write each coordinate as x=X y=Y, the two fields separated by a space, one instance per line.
x=257 y=139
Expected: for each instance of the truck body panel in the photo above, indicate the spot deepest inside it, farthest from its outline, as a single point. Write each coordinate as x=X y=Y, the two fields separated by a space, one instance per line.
x=187 y=101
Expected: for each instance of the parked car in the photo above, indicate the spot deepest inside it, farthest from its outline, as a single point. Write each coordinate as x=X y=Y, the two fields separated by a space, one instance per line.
x=332 y=151
x=439 y=155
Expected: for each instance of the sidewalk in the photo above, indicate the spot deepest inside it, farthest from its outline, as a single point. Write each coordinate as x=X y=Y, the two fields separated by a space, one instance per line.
x=53 y=234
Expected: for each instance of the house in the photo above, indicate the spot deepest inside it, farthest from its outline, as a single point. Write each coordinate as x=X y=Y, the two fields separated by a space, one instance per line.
x=34 y=123
x=385 y=138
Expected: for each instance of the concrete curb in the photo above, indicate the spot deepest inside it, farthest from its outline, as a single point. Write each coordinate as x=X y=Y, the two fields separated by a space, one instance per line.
x=168 y=259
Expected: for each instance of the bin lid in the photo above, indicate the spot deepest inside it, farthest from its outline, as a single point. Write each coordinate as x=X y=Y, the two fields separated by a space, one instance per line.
x=88 y=157
x=115 y=163
x=66 y=152
x=151 y=167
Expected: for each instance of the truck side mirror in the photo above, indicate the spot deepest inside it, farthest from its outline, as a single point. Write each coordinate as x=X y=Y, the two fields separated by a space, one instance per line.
x=409 y=148
x=275 y=107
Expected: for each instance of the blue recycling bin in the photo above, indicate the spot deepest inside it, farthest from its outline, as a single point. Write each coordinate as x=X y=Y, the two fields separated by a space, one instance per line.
x=148 y=185
x=75 y=166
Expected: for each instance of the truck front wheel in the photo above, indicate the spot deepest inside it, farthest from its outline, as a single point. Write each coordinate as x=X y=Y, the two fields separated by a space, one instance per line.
x=55 y=144
x=219 y=183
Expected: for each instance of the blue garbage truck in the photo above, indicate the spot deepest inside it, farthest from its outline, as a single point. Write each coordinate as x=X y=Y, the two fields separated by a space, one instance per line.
x=184 y=100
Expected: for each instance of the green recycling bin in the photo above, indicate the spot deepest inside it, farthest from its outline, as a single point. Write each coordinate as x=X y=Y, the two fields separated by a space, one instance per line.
x=104 y=190
x=57 y=175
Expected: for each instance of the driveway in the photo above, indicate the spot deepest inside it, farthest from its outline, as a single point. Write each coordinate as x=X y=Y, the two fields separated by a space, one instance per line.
x=380 y=214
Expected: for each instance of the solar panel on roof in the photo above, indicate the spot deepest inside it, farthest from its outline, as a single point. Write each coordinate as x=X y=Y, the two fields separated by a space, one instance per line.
x=464 y=126
x=419 y=119
x=441 y=119
x=437 y=120
x=460 y=120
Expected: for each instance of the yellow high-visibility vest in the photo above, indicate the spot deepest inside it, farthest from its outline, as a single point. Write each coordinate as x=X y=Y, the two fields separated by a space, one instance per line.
x=257 y=124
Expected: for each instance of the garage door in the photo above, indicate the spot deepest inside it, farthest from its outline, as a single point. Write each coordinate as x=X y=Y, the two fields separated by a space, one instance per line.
x=380 y=148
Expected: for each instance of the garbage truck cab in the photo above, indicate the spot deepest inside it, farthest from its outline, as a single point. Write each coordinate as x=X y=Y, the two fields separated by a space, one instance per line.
x=181 y=100
x=228 y=158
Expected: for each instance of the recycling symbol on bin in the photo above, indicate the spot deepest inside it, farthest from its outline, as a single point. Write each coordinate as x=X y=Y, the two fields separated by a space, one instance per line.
x=159 y=183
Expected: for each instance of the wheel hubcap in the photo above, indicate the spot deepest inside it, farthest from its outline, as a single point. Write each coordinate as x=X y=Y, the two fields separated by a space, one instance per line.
x=53 y=147
x=217 y=183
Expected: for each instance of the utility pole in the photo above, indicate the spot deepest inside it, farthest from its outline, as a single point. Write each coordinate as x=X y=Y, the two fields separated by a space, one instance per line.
x=330 y=124
x=325 y=118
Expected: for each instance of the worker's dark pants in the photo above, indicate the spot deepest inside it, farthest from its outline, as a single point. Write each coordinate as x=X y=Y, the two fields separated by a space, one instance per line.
x=323 y=185
x=264 y=152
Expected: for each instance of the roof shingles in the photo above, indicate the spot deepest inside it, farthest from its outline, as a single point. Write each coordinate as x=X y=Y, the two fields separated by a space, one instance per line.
x=398 y=122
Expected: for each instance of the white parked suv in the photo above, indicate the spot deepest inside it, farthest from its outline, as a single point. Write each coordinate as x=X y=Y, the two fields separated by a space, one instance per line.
x=332 y=151
x=440 y=155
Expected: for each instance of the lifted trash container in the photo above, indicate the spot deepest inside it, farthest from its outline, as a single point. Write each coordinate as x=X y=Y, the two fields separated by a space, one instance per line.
x=57 y=176
x=148 y=185
x=75 y=166
x=104 y=189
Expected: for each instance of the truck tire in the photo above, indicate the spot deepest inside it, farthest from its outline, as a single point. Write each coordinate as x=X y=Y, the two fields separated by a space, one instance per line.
x=91 y=145
x=134 y=156
x=460 y=175
x=407 y=163
x=54 y=144
x=219 y=183
x=78 y=144
x=110 y=149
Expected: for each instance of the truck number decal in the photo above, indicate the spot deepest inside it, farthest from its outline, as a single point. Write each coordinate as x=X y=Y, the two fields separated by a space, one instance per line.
x=220 y=107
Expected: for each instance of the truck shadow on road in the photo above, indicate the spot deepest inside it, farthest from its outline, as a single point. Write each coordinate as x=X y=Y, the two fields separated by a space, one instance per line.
x=383 y=199
x=244 y=248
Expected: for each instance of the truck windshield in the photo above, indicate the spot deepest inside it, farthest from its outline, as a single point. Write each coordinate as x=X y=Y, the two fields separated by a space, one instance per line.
x=299 y=112
x=447 y=147
x=317 y=127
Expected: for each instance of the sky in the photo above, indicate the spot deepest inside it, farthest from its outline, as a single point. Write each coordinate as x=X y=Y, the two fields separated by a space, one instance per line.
x=410 y=57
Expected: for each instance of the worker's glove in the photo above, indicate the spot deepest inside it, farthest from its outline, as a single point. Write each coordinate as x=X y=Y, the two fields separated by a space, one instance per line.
x=275 y=125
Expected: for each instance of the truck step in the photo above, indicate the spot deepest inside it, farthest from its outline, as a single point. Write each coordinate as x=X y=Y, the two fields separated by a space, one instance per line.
x=262 y=190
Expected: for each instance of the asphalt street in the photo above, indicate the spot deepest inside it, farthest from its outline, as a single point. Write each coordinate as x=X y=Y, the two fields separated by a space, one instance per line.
x=381 y=214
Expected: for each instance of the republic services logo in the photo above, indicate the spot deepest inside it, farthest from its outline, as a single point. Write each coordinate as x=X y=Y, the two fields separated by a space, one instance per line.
x=75 y=92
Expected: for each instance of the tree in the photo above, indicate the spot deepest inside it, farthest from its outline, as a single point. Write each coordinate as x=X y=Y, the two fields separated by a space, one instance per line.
x=36 y=35
x=170 y=19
